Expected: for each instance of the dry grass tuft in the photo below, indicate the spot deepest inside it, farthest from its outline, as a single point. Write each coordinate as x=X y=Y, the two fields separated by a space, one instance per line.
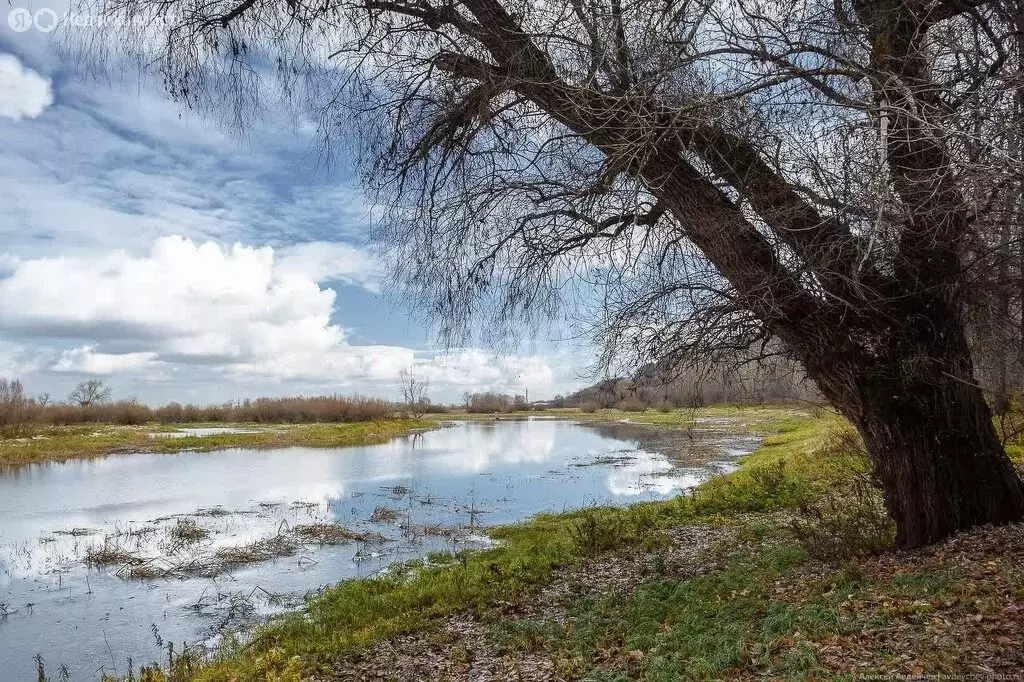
x=334 y=534
x=111 y=555
x=384 y=514
x=255 y=552
x=188 y=531
x=76 y=532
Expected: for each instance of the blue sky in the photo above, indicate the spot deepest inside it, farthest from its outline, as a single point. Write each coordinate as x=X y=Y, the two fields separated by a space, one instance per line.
x=154 y=249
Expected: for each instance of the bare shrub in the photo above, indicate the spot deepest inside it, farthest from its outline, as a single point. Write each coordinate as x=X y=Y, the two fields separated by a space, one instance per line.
x=414 y=392
x=315 y=409
x=847 y=523
x=17 y=411
x=128 y=412
x=632 y=405
x=15 y=408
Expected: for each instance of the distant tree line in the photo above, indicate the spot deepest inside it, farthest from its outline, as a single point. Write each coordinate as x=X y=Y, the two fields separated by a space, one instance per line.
x=91 y=402
x=489 y=402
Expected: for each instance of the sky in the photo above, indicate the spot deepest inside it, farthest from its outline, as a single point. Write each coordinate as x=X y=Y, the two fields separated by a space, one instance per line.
x=168 y=256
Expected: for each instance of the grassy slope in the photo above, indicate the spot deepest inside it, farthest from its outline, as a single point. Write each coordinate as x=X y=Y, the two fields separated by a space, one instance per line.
x=92 y=440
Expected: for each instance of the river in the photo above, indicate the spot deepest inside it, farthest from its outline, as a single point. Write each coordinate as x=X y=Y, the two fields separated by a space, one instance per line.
x=203 y=542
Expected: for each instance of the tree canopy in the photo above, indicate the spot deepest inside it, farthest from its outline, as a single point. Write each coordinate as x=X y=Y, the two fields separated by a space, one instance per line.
x=702 y=175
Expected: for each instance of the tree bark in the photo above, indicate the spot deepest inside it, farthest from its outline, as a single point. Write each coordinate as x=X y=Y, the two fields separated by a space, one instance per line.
x=928 y=431
x=941 y=466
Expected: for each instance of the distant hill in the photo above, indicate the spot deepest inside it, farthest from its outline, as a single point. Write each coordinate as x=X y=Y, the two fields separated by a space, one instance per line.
x=764 y=382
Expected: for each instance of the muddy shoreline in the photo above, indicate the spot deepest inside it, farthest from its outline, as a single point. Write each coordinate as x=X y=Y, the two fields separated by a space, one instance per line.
x=697 y=446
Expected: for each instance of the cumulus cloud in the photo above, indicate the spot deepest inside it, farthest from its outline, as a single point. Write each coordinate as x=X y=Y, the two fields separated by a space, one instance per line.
x=23 y=92
x=245 y=313
x=86 y=360
x=210 y=322
x=333 y=261
x=200 y=298
x=183 y=301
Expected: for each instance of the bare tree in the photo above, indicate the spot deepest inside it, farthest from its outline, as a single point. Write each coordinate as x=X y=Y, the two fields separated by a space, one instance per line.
x=414 y=392
x=91 y=392
x=699 y=175
x=14 y=406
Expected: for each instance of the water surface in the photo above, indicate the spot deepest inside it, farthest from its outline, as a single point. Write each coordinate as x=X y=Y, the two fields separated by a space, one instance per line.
x=421 y=493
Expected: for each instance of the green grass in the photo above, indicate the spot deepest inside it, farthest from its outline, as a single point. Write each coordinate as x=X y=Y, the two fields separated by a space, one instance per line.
x=793 y=466
x=759 y=614
x=1015 y=450
x=58 y=443
x=746 y=416
x=694 y=629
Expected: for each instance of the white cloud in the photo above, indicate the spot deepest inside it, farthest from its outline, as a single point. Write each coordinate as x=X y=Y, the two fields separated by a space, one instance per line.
x=23 y=92
x=242 y=313
x=194 y=302
x=475 y=370
x=86 y=360
x=333 y=261
x=117 y=166
x=90 y=284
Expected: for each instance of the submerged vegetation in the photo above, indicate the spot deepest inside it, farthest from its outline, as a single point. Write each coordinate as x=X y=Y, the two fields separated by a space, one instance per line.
x=185 y=555
x=334 y=534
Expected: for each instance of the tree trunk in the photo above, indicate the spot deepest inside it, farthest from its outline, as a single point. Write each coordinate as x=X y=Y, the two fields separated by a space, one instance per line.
x=928 y=430
x=941 y=465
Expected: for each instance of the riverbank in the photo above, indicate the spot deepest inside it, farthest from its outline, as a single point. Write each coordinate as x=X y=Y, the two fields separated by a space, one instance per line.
x=59 y=443
x=202 y=543
x=782 y=569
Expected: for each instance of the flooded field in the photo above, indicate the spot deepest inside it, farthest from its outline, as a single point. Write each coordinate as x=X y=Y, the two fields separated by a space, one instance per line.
x=106 y=560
